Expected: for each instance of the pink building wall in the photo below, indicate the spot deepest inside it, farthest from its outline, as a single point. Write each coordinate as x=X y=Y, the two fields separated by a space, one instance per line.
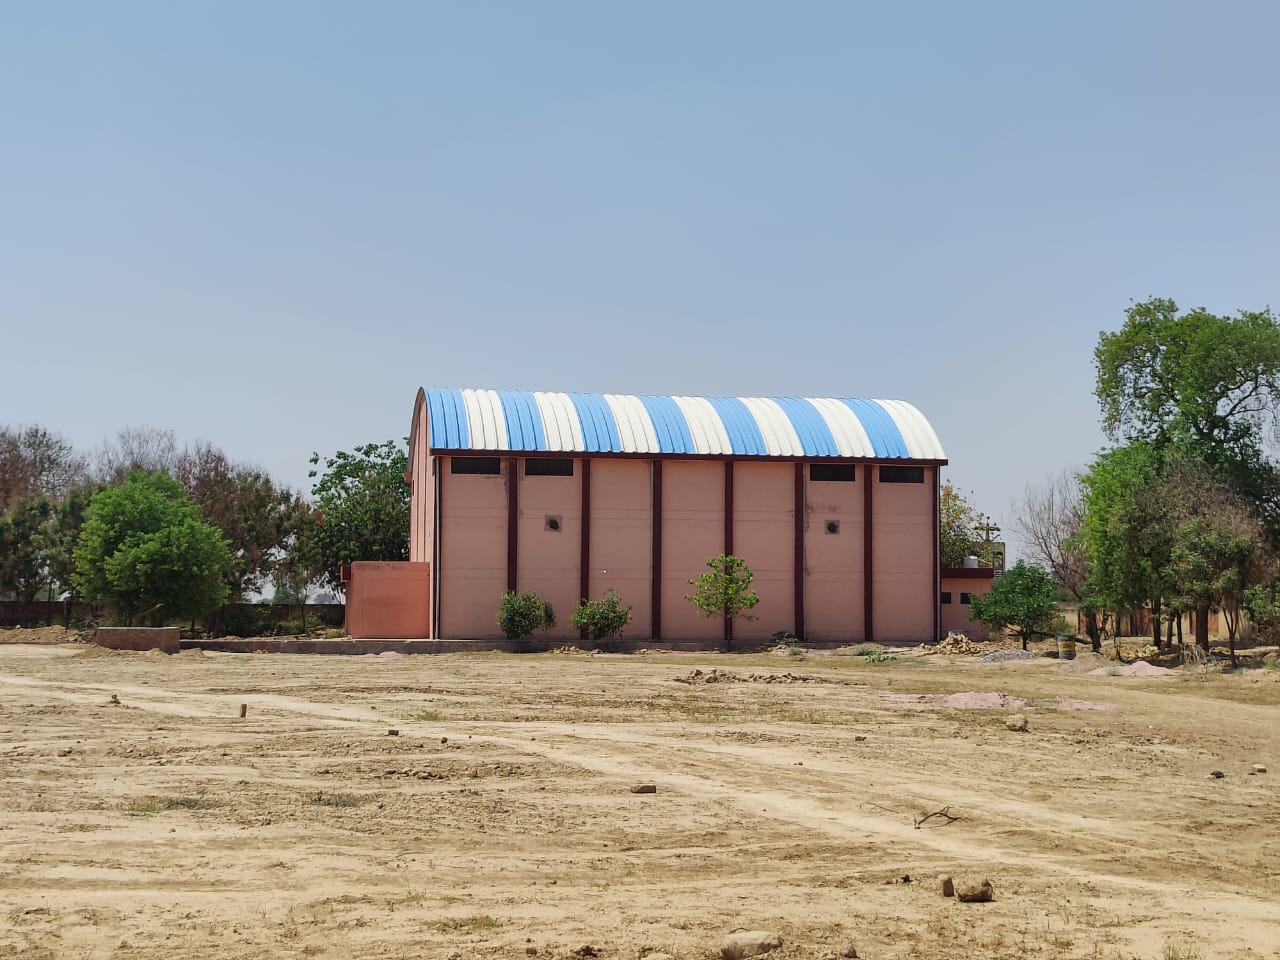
x=955 y=615
x=764 y=535
x=692 y=533
x=548 y=560
x=388 y=600
x=621 y=536
x=833 y=563
x=473 y=538
x=473 y=551
x=903 y=548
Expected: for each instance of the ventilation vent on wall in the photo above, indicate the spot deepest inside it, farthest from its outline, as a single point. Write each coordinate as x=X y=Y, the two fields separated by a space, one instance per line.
x=833 y=526
x=553 y=524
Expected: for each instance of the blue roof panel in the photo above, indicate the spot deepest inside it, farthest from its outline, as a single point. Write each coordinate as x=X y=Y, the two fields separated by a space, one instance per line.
x=599 y=428
x=745 y=438
x=883 y=433
x=524 y=420
x=668 y=419
x=815 y=436
x=893 y=429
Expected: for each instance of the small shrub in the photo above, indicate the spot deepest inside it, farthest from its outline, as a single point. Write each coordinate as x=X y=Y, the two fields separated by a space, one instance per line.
x=287 y=628
x=603 y=618
x=859 y=650
x=880 y=657
x=725 y=589
x=519 y=614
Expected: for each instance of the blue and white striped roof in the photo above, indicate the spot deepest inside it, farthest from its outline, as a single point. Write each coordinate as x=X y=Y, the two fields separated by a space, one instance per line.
x=493 y=420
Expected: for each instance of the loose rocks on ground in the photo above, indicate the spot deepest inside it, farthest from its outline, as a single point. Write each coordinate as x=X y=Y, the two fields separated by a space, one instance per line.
x=748 y=943
x=1001 y=656
x=947 y=886
x=974 y=891
x=1017 y=723
x=954 y=644
x=716 y=675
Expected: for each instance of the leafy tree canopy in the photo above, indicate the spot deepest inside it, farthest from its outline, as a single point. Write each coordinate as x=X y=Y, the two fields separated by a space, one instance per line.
x=1023 y=598
x=363 y=500
x=145 y=550
x=724 y=590
x=24 y=538
x=1203 y=381
x=961 y=529
x=251 y=511
x=1126 y=533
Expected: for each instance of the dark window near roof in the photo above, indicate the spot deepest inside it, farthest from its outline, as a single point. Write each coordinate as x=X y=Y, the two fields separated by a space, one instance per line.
x=964 y=598
x=486 y=466
x=548 y=467
x=831 y=472
x=946 y=596
x=902 y=474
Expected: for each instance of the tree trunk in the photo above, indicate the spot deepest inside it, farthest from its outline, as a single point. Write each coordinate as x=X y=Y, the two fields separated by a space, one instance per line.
x=1181 y=614
x=1202 y=626
x=1155 y=623
x=1091 y=630
x=1168 y=631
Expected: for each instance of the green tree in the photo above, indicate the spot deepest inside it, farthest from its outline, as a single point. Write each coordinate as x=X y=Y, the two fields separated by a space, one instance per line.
x=145 y=551
x=1206 y=384
x=1218 y=550
x=24 y=542
x=363 y=499
x=725 y=589
x=300 y=564
x=1127 y=533
x=64 y=533
x=1023 y=598
x=961 y=529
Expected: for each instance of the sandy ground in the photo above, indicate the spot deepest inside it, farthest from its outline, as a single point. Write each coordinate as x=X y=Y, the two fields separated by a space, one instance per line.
x=499 y=822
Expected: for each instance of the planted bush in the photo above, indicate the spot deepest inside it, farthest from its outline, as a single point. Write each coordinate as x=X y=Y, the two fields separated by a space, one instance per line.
x=603 y=618
x=519 y=614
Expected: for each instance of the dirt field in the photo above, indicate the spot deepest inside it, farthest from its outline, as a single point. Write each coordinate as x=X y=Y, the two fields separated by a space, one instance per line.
x=499 y=822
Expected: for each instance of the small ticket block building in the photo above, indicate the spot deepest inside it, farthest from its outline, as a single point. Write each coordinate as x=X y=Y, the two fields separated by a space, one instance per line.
x=832 y=502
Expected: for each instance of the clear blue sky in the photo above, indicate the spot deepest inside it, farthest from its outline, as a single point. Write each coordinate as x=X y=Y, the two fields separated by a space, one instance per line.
x=265 y=224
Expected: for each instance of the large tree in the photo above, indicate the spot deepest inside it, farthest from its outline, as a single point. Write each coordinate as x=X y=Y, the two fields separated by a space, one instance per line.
x=1208 y=385
x=1050 y=524
x=251 y=511
x=145 y=551
x=1209 y=381
x=363 y=500
x=1218 y=550
x=149 y=449
x=24 y=540
x=1126 y=533
x=35 y=461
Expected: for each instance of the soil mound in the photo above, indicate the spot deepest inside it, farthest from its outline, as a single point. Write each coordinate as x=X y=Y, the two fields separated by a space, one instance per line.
x=54 y=634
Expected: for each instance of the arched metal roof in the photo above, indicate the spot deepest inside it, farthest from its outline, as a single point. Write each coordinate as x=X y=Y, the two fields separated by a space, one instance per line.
x=492 y=420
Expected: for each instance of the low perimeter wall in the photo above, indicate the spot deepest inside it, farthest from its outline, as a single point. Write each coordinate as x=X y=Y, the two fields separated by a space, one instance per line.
x=138 y=638
x=388 y=600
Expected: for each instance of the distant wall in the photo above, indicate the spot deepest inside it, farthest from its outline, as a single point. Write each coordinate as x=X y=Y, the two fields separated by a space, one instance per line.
x=957 y=585
x=389 y=600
